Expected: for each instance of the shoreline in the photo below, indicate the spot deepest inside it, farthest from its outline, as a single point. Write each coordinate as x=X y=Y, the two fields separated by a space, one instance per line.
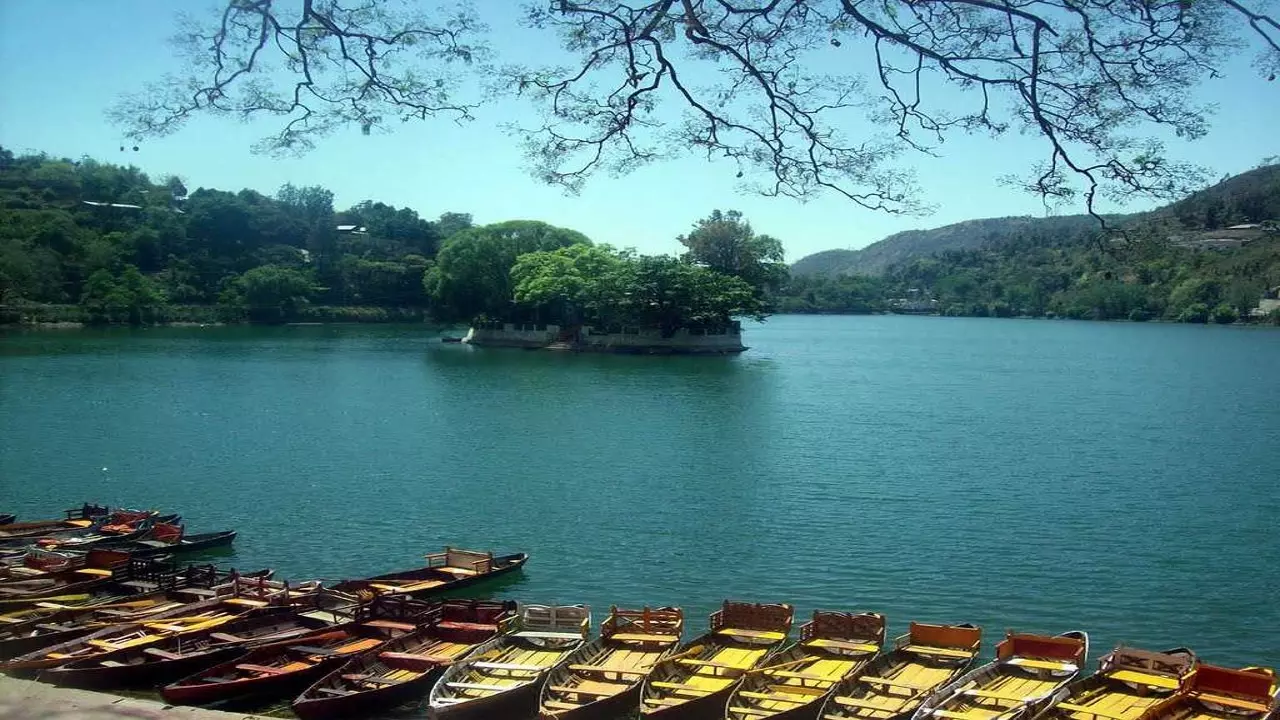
x=32 y=700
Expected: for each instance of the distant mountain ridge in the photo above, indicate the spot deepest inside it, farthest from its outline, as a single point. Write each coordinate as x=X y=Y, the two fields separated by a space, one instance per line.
x=1248 y=197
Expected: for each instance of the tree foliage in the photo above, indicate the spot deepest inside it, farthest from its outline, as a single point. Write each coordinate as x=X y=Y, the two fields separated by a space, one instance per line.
x=726 y=243
x=1095 y=80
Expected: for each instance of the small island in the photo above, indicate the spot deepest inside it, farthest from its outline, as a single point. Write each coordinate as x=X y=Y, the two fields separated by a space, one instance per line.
x=531 y=285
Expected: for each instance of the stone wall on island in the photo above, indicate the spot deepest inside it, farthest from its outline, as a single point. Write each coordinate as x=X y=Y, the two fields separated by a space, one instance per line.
x=620 y=340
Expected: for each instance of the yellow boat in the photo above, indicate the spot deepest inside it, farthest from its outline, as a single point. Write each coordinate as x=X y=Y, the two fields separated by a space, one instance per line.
x=1028 y=669
x=1218 y=693
x=832 y=647
x=502 y=678
x=696 y=682
x=1129 y=682
x=602 y=678
x=893 y=686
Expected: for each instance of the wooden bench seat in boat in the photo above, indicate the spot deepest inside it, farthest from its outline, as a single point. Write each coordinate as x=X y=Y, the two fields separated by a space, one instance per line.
x=1072 y=707
x=262 y=669
x=604 y=669
x=163 y=654
x=992 y=695
x=508 y=666
x=890 y=682
x=539 y=634
x=939 y=651
x=246 y=602
x=359 y=646
x=479 y=687
x=1042 y=664
x=679 y=688
x=767 y=696
x=798 y=690
x=460 y=572
x=481 y=627
x=842 y=645
x=167 y=626
x=760 y=634
x=53 y=627
x=391 y=625
x=419 y=662
x=1238 y=703
x=1140 y=678
x=664 y=701
x=96 y=572
x=642 y=637
x=580 y=691
x=865 y=705
x=198 y=592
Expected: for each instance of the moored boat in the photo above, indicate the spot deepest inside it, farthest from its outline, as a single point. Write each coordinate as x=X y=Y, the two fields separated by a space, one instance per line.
x=1218 y=693
x=893 y=685
x=448 y=570
x=1026 y=672
x=1128 y=683
x=832 y=647
x=602 y=679
x=163 y=662
x=171 y=540
x=283 y=668
x=7 y=518
x=405 y=668
x=41 y=627
x=502 y=678
x=697 y=680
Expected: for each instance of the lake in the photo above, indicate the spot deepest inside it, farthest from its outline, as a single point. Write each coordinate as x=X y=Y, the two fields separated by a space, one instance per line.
x=1036 y=475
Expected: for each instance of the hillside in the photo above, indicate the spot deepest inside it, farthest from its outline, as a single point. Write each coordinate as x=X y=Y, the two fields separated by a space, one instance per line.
x=1252 y=196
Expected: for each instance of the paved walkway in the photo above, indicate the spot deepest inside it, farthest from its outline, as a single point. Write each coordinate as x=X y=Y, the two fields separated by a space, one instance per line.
x=30 y=700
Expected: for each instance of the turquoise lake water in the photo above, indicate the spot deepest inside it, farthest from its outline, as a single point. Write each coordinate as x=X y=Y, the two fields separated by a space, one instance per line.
x=1036 y=475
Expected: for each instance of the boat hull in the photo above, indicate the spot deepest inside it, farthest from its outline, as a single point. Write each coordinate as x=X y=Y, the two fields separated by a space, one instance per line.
x=136 y=676
x=365 y=703
x=603 y=709
x=519 y=702
x=17 y=647
x=509 y=564
x=707 y=707
x=281 y=685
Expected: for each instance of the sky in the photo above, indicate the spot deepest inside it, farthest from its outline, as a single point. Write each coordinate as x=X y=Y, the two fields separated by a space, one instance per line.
x=63 y=62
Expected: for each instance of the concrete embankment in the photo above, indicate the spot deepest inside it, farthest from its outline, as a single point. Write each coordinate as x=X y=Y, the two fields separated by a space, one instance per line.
x=29 y=700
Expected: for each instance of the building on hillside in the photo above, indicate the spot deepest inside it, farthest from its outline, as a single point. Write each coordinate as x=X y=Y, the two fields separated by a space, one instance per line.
x=1268 y=303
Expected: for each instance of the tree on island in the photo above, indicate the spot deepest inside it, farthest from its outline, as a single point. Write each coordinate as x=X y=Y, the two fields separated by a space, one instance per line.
x=1095 y=80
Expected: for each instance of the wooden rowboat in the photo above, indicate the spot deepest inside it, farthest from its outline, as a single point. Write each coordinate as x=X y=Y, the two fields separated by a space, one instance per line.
x=405 y=668
x=503 y=677
x=163 y=662
x=282 y=669
x=34 y=629
x=696 y=682
x=167 y=544
x=1027 y=671
x=833 y=646
x=1128 y=683
x=7 y=518
x=1218 y=693
x=602 y=679
x=893 y=685
x=448 y=570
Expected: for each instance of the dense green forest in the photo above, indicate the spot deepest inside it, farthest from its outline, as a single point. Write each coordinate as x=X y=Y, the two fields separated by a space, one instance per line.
x=86 y=241
x=1181 y=262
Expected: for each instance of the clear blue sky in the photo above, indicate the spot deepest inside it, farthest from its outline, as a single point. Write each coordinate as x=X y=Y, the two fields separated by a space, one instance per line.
x=62 y=62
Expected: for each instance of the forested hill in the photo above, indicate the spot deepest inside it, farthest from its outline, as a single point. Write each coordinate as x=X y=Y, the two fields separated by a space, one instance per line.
x=1252 y=196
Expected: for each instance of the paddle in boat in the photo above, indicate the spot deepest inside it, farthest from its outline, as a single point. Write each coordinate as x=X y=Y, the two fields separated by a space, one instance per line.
x=602 y=679
x=1218 y=693
x=697 y=680
x=283 y=668
x=445 y=571
x=163 y=662
x=893 y=685
x=502 y=678
x=1127 y=684
x=833 y=646
x=1028 y=669
x=405 y=668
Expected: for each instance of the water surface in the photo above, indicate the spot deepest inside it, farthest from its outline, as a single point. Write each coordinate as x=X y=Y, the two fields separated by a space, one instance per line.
x=1035 y=475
